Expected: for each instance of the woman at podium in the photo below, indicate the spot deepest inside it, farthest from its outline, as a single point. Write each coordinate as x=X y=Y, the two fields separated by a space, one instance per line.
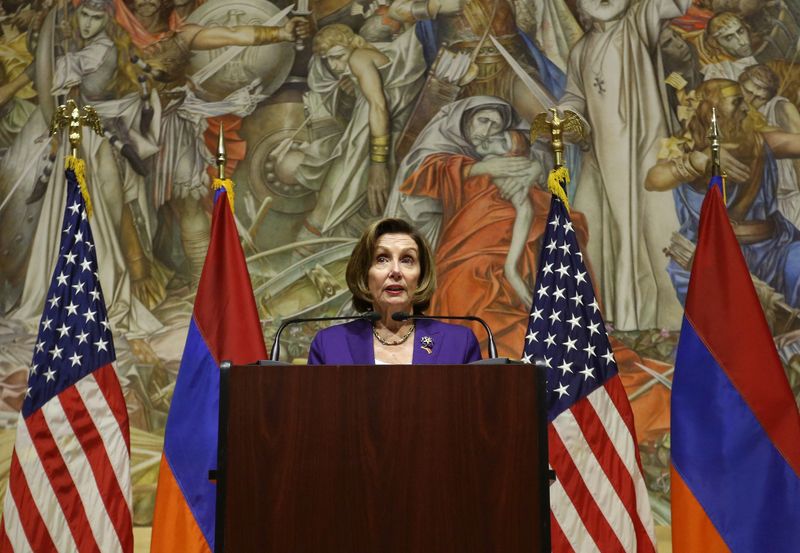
x=392 y=276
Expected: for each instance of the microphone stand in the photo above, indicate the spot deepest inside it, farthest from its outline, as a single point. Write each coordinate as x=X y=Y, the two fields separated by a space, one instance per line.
x=274 y=355
x=491 y=346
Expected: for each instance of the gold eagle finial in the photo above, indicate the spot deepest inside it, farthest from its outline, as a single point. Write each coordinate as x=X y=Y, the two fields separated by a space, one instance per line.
x=555 y=126
x=73 y=118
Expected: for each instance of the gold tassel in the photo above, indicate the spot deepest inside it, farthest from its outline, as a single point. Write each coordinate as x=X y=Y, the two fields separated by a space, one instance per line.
x=78 y=166
x=228 y=185
x=558 y=176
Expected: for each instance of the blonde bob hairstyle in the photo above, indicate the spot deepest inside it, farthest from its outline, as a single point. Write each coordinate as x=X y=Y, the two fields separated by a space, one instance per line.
x=357 y=274
x=337 y=34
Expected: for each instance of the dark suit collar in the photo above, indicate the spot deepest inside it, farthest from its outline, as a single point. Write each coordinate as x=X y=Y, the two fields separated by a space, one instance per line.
x=359 y=342
x=427 y=329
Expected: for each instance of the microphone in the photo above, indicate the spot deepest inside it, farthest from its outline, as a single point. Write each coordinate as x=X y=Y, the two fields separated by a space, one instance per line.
x=275 y=352
x=491 y=346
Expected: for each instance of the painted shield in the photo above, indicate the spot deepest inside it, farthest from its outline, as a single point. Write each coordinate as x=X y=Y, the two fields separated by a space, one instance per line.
x=270 y=62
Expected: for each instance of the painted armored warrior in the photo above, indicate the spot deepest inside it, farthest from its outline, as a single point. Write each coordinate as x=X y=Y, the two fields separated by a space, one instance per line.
x=180 y=179
x=464 y=26
x=97 y=71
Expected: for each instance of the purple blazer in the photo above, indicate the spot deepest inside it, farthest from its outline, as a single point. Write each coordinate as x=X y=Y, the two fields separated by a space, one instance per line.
x=351 y=344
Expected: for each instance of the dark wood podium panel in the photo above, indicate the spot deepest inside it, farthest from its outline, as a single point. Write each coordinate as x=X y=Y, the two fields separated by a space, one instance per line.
x=383 y=459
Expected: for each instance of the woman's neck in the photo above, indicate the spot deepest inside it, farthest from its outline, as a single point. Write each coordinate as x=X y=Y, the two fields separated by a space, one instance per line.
x=387 y=322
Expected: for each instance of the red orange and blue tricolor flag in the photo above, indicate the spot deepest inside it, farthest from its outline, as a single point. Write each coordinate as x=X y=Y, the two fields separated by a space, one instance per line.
x=224 y=326
x=735 y=424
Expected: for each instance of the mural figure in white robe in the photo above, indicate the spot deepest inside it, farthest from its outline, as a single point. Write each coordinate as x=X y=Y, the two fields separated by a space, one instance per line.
x=612 y=81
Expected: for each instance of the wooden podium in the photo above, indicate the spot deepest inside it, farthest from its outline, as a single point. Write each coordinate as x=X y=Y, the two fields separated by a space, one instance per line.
x=382 y=459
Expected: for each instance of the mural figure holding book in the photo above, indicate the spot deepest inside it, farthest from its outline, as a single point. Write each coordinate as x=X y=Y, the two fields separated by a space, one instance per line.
x=769 y=241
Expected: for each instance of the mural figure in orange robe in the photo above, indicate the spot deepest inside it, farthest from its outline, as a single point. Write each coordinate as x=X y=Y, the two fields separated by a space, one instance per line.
x=469 y=184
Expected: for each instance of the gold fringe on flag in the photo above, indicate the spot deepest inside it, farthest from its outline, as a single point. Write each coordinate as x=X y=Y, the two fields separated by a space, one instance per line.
x=78 y=166
x=557 y=181
x=228 y=185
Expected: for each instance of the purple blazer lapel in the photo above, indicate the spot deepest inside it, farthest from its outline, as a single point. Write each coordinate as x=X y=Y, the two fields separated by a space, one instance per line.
x=427 y=334
x=359 y=342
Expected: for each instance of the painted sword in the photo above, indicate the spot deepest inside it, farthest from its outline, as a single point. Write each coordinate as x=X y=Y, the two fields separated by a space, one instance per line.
x=539 y=92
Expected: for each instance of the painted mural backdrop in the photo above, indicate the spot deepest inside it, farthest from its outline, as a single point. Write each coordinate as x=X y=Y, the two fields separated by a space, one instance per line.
x=414 y=108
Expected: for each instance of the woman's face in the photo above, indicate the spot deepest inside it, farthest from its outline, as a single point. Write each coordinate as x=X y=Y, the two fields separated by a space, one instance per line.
x=91 y=22
x=337 y=59
x=394 y=272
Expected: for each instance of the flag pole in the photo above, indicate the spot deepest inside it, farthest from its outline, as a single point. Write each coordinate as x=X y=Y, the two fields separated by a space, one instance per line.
x=221 y=155
x=221 y=181
x=713 y=134
x=581 y=375
x=716 y=167
x=77 y=492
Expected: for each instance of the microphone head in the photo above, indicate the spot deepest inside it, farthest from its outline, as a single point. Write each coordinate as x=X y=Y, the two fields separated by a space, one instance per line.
x=371 y=316
x=401 y=316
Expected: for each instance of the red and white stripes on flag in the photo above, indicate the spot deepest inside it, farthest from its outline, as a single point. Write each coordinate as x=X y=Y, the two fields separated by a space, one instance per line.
x=69 y=483
x=69 y=486
x=599 y=501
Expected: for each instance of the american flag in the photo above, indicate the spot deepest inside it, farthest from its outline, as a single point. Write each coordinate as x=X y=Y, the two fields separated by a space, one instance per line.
x=599 y=501
x=69 y=485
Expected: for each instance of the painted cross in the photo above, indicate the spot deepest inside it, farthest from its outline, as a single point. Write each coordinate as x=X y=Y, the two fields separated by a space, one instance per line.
x=599 y=84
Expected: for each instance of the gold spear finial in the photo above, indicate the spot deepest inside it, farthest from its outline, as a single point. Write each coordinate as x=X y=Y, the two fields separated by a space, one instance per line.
x=72 y=117
x=221 y=157
x=716 y=164
x=221 y=181
x=713 y=135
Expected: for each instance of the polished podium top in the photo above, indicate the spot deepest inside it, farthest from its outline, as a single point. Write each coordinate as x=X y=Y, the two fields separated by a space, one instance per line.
x=383 y=459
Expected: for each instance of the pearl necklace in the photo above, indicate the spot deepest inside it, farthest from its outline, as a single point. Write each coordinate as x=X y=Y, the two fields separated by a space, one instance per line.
x=386 y=342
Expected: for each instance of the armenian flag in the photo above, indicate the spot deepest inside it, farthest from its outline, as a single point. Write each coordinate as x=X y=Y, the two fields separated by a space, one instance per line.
x=735 y=424
x=224 y=326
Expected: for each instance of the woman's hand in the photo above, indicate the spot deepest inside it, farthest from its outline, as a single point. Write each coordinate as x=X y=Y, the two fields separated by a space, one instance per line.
x=523 y=178
x=377 y=187
x=533 y=173
x=501 y=167
x=511 y=187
